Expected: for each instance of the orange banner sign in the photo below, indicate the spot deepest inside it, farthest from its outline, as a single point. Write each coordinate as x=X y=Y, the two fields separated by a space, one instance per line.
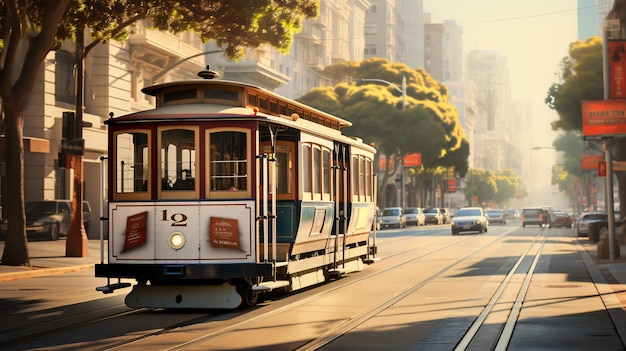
x=604 y=117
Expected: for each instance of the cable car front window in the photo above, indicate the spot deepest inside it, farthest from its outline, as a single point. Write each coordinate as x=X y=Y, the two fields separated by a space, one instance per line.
x=132 y=168
x=228 y=161
x=178 y=166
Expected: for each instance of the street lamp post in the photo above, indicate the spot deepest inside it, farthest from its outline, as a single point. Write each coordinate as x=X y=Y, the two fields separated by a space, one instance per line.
x=401 y=90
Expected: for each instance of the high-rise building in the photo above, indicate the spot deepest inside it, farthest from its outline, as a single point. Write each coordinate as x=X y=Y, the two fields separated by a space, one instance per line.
x=591 y=15
x=488 y=70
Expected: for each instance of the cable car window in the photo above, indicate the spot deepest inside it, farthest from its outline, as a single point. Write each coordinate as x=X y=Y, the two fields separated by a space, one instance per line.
x=178 y=159
x=229 y=163
x=306 y=168
x=221 y=94
x=326 y=170
x=180 y=95
x=132 y=162
x=285 y=169
x=317 y=170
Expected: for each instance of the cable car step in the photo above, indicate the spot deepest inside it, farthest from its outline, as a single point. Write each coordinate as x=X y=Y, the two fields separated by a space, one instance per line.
x=107 y=289
x=269 y=286
x=341 y=271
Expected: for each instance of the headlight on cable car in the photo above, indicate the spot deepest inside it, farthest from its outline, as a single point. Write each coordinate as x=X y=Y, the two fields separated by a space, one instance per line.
x=177 y=241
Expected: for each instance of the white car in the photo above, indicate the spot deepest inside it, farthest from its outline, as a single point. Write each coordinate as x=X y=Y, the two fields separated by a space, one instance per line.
x=393 y=217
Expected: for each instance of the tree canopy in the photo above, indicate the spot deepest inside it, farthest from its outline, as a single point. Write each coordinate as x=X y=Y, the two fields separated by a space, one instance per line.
x=492 y=187
x=429 y=125
x=581 y=78
x=29 y=30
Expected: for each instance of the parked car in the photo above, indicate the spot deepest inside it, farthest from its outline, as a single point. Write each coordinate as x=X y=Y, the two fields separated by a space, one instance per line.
x=588 y=217
x=560 y=219
x=535 y=216
x=415 y=215
x=496 y=215
x=50 y=218
x=393 y=217
x=511 y=214
x=445 y=214
x=433 y=215
x=469 y=219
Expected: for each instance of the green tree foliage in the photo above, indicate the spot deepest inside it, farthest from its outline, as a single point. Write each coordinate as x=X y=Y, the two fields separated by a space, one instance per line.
x=429 y=125
x=581 y=79
x=29 y=30
x=491 y=187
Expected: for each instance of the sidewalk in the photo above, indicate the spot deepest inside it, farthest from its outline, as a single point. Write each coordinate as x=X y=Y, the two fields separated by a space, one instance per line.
x=48 y=258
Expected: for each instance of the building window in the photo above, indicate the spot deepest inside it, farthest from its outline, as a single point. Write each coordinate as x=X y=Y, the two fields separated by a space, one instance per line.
x=371 y=29
x=65 y=83
x=370 y=49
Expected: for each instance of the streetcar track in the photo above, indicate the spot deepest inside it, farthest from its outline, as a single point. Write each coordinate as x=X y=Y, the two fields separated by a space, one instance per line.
x=507 y=331
x=316 y=296
x=64 y=327
x=359 y=319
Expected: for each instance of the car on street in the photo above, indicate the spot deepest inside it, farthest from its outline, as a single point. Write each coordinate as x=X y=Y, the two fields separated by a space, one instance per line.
x=415 y=216
x=393 y=217
x=512 y=215
x=582 y=227
x=496 y=215
x=433 y=215
x=469 y=219
x=560 y=219
x=50 y=219
x=445 y=214
x=535 y=216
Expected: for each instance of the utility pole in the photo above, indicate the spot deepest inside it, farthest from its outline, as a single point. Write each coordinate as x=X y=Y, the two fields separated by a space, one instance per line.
x=77 y=243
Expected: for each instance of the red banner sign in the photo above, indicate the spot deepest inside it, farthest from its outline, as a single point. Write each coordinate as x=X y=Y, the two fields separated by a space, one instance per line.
x=136 y=226
x=617 y=69
x=590 y=162
x=604 y=117
x=412 y=160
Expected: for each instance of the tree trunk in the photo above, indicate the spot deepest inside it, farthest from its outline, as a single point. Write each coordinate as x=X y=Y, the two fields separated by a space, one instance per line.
x=15 y=248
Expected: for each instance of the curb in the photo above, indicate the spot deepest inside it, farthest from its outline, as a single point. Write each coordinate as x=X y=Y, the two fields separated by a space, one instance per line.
x=41 y=271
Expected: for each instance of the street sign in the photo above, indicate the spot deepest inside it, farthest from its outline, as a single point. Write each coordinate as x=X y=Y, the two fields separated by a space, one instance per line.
x=73 y=146
x=611 y=24
x=619 y=166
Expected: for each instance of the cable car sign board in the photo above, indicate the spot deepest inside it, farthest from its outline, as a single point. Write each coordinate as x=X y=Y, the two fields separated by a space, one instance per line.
x=603 y=118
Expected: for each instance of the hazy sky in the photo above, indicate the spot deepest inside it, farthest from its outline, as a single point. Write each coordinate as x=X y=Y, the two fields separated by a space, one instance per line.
x=534 y=35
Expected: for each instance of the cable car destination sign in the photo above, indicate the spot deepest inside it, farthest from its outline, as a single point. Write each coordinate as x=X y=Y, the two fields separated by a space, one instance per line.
x=604 y=118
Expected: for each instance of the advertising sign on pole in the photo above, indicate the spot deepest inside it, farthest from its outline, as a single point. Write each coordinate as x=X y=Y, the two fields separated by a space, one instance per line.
x=604 y=118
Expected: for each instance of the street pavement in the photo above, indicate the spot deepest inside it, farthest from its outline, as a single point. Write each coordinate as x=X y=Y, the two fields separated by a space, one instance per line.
x=609 y=276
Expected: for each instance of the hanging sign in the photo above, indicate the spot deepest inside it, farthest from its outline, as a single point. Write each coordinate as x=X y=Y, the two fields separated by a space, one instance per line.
x=604 y=118
x=617 y=69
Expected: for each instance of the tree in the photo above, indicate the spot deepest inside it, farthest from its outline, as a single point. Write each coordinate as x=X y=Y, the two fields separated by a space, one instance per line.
x=29 y=30
x=582 y=79
x=497 y=187
x=429 y=125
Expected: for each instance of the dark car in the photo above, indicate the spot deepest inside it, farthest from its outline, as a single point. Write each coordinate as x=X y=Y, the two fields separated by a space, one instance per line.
x=560 y=219
x=535 y=216
x=496 y=216
x=588 y=217
x=469 y=219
